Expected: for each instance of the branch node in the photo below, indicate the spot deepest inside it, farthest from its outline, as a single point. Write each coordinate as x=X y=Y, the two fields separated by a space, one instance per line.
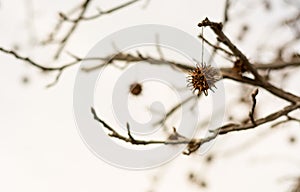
x=132 y=140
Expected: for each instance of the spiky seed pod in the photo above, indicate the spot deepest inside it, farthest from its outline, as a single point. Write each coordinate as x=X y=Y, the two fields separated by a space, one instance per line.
x=203 y=78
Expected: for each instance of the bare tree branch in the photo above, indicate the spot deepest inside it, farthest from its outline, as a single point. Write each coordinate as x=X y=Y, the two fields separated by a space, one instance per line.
x=75 y=23
x=194 y=144
x=58 y=69
x=28 y=60
x=228 y=73
x=217 y=28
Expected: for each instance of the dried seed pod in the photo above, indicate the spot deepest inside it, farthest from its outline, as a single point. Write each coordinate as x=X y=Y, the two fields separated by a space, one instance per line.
x=203 y=78
x=25 y=79
x=136 y=89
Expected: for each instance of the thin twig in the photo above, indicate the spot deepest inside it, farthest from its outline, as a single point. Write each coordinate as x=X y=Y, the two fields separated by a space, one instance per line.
x=32 y=62
x=288 y=119
x=216 y=47
x=75 y=24
x=269 y=118
x=102 y=13
x=59 y=69
x=59 y=24
x=130 y=139
x=278 y=65
x=251 y=113
x=225 y=21
x=174 y=109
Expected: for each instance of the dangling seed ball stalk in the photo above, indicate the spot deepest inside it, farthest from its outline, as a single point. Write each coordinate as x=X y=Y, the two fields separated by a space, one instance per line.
x=203 y=78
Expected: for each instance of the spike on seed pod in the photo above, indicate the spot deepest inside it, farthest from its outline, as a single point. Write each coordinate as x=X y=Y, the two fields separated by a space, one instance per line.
x=203 y=78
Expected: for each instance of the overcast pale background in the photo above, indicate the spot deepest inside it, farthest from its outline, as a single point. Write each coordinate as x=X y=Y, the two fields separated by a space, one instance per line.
x=40 y=147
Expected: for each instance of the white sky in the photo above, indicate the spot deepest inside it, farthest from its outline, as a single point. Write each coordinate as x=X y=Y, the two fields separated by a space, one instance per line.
x=40 y=148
